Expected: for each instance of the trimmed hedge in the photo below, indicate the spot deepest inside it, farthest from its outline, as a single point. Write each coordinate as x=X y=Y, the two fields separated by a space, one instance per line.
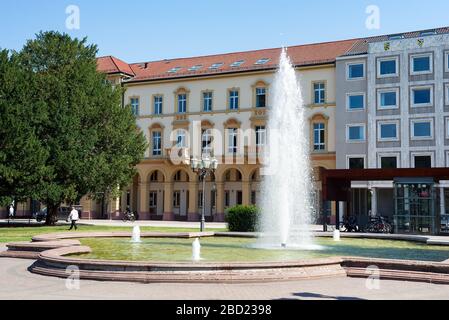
x=242 y=218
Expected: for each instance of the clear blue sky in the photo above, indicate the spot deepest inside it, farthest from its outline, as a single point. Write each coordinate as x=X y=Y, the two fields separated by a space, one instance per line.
x=143 y=30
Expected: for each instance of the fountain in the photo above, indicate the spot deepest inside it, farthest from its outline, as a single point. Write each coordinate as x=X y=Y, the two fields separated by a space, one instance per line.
x=136 y=235
x=287 y=185
x=196 y=250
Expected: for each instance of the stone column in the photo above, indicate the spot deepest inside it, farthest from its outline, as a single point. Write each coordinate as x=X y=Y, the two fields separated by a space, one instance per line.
x=114 y=209
x=219 y=216
x=374 y=202
x=246 y=193
x=193 y=214
x=143 y=201
x=87 y=210
x=123 y=207
x=168 y=202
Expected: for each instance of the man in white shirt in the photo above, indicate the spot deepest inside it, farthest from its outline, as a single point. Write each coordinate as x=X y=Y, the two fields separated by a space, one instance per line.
x=73 y=217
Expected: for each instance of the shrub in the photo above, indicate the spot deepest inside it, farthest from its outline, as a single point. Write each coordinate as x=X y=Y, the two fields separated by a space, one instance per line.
x=242 y=218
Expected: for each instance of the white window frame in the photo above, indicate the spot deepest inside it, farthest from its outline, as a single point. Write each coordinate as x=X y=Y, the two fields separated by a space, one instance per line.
x=234 y=99
x=207 y=100
x=421 y=55
x=207 y=136
x=135 y=107
x=184 y=101
x=392 y=75
x=379 y=131
x=352 y=63
x=446 y=61
x=261 y=136
x=320 y=143
x=352 y=156
x=183 y=142
x=351 y=94
x=412 y=126
x=422 y=154
x=379 y=98
x=447 y=159
x=363 y=125
x=153 y=147
x=421 y=105
x=446 y=94
x=259 y=94
x=447 y=127
x=321 y=92
x=158 y=101
x=396 y=155
x=233 y=133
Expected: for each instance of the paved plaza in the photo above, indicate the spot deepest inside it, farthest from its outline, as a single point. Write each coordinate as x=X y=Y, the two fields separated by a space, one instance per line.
x=17 y=283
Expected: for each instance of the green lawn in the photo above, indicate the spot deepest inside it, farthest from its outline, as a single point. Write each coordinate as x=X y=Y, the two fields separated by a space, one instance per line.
x=14 y=234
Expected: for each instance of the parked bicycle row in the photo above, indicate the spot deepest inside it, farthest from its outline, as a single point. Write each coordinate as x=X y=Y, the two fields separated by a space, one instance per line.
x=376 y=224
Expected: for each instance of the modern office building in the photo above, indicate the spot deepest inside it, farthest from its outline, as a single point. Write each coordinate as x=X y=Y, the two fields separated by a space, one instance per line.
x=392 y=112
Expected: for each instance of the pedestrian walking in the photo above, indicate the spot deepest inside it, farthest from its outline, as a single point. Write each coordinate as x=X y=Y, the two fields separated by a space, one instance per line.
x=73 y=217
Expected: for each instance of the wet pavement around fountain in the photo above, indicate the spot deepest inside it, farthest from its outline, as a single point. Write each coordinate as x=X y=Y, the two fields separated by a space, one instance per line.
x=16 y=283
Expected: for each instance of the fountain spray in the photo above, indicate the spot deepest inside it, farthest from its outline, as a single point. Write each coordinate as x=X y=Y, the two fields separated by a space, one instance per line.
x=286 y=196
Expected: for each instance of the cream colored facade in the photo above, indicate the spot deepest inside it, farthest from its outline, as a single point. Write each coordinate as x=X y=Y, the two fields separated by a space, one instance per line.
x=168 y=191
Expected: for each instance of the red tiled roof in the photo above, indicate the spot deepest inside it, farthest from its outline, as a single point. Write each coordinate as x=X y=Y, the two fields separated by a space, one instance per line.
x=111 y=65
x=303 y=55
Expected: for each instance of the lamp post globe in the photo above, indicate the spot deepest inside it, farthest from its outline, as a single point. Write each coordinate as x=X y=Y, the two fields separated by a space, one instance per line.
x=203 y=168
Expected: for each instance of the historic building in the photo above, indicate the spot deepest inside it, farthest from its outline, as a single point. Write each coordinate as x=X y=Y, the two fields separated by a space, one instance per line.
x=225 y=98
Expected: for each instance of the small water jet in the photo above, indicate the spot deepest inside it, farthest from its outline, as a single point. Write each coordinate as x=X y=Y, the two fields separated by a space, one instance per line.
x=136 y=235
x=336 y=235
x=196 y=250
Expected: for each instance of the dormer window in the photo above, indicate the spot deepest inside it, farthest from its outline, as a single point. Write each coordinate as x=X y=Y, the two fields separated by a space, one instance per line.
x=396 y=37
x=174 y=70
x=262 y=61
x=216 y=66
x=428 y=33
x=196 y=67
x=237 y=63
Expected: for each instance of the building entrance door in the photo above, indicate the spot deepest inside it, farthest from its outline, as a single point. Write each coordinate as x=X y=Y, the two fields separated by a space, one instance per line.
x=415 y=206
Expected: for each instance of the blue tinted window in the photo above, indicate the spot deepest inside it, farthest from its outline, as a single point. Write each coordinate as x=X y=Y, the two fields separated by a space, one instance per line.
x=356 y=71
x=422 y=129
x=356 y=133
x=388 y=99
x=421 y=96
x=421 y=64
x=388 y=67
x=356 y=102
x=388 y=131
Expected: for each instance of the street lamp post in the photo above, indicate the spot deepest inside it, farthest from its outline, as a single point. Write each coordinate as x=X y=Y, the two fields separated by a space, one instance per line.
x=203 y=168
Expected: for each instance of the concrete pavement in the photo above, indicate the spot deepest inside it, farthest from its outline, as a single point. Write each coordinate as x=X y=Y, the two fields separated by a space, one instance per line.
x=17 y=283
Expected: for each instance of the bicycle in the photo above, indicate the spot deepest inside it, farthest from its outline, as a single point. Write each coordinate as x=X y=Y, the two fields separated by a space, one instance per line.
x=379 y=225
x=129 y=216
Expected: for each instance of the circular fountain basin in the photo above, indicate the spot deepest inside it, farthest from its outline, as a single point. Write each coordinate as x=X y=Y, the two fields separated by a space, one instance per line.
x=226 y=249
x=231 y=258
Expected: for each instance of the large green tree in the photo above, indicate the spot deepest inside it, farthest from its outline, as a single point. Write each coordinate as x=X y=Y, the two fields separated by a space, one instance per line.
x=84 y=153
x=22 y=155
